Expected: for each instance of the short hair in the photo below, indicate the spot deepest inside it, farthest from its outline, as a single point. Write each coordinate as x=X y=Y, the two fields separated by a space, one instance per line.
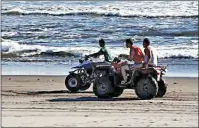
x=101 y=41
x=147 y=41
x=129 y=41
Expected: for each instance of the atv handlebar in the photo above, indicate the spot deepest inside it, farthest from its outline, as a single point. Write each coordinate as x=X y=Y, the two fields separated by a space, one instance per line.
x=123 y=56
x=83 y=59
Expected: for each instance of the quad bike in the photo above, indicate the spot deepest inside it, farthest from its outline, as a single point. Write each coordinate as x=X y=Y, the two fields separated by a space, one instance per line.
x=147 y=83
x=84 y=74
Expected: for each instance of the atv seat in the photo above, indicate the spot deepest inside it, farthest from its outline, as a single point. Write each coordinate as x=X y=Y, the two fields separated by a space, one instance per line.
x=101 y=65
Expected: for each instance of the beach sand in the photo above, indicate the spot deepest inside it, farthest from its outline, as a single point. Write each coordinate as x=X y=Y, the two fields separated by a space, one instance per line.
x=43 y=101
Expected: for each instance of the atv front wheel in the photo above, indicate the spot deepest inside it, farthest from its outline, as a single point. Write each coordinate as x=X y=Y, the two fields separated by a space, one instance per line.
x=146 y=88
x=72 y=83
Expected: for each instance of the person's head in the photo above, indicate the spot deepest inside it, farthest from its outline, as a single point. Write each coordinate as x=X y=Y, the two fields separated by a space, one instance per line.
x=102 y=43
x=129 y=43
x=146 y=42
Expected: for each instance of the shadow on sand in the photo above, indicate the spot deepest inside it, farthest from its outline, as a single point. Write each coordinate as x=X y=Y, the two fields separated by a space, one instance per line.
x=90 y=99
x=55 y=92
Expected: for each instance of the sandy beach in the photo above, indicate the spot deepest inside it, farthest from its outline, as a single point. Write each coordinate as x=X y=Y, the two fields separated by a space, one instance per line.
x=43 y=101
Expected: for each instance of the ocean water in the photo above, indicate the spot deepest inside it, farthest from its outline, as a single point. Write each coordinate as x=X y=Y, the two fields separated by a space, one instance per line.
x=48 y=38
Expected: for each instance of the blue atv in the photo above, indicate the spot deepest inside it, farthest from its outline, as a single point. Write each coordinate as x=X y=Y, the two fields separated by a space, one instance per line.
x=85 y=74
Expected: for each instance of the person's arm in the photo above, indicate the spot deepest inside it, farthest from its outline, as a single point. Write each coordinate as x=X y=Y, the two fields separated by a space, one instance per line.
x=130 y=57
x=147 y=53
x=100 y=52
x=142 y=55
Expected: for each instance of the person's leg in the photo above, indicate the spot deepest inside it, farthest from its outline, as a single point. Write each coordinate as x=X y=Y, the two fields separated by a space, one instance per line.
x=123 y=71
x=137 y=66
x=134 y=68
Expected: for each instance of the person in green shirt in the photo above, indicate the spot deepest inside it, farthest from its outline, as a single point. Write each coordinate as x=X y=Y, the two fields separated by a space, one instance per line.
x=102 y=51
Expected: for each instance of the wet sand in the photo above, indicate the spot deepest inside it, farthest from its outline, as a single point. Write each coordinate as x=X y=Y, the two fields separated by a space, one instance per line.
x=43 y=101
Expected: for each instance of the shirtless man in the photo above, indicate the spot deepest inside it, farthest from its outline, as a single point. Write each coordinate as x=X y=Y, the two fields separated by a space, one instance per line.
x=150 y=58
x=136 y=55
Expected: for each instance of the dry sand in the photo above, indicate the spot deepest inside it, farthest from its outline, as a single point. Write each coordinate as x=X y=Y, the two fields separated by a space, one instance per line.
x=42 y=101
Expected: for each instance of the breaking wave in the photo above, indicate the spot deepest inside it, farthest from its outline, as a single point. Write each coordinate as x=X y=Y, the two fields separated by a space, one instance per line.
x=121 y=9
x=12 y=49
x=96 y=14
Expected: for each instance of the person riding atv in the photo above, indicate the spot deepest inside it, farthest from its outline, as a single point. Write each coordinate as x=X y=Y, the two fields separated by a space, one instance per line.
x=136 y=55
x=102 y=51
x=150 y=58
x=146 y=77
x=87 y=71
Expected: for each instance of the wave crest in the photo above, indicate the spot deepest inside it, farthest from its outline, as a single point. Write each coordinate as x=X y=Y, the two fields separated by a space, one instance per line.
x=11 y=49
x=97 y=14
x=120 y=9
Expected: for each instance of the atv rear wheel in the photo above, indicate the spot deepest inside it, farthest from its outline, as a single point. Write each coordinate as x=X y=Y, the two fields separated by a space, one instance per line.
x=102 y=88
x=72 y=83
x=162 y=88
x=146 y=88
